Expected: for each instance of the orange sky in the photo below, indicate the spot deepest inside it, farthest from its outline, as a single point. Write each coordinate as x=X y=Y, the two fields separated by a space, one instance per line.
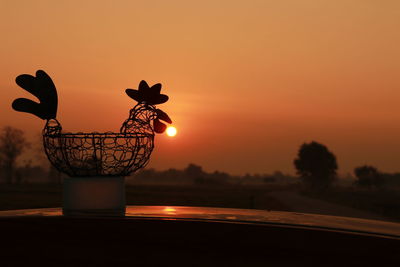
x=249 y=81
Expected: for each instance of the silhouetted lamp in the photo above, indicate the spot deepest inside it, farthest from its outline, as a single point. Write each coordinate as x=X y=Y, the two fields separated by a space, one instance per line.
x=96 y=163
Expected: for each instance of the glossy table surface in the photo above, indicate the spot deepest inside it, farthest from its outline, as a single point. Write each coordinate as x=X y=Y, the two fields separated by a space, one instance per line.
x=195 y=236
x=384 y=228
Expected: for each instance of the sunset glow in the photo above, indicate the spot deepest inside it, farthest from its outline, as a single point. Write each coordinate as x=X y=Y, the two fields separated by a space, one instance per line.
x=248 y=81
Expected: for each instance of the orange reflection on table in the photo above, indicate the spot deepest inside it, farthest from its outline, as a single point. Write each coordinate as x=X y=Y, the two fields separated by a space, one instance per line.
x=169 y=210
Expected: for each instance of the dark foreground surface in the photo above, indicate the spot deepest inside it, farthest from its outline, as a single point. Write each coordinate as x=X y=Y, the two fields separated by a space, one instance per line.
x=167 y=236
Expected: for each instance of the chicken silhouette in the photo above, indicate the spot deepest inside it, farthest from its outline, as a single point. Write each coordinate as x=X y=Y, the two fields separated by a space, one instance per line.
x=96 y=154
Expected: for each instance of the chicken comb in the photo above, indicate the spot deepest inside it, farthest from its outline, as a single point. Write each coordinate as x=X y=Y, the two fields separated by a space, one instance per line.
x=44 y=89
x=150 y=95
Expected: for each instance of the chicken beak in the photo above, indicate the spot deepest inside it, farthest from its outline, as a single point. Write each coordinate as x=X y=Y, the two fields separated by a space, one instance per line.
x=161 y=115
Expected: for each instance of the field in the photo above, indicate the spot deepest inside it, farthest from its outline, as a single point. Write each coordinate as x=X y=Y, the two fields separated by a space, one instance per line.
x=383 y=202
x=248 y=197
x=339 y=201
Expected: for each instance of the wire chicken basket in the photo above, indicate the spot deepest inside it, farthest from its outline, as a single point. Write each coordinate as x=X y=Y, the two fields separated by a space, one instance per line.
x=96 y=154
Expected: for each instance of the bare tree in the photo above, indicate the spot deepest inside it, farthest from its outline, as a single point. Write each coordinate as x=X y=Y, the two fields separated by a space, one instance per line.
x=53 y=175
x=12 y=144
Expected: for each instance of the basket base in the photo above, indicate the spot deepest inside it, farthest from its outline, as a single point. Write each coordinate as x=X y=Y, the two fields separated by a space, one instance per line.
x=94 y=196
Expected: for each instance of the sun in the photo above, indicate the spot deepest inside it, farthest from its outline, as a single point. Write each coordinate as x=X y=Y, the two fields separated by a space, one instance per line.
x=171 y=131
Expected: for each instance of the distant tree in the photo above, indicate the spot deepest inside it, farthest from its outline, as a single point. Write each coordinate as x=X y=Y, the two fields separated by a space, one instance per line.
x=12 y=144
x=193 y=170
x=368 y=176
x=316 y=165
x=194 y=173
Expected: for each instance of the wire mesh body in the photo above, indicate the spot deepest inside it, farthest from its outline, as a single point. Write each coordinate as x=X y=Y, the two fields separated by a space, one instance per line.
x=102 y=154
x=139 y=120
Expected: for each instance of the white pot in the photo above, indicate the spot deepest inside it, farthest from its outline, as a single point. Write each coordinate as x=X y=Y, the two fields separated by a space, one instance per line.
x=94 y=196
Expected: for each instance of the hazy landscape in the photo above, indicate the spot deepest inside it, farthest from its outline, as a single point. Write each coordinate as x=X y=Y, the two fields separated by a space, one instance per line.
x=368 y=193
